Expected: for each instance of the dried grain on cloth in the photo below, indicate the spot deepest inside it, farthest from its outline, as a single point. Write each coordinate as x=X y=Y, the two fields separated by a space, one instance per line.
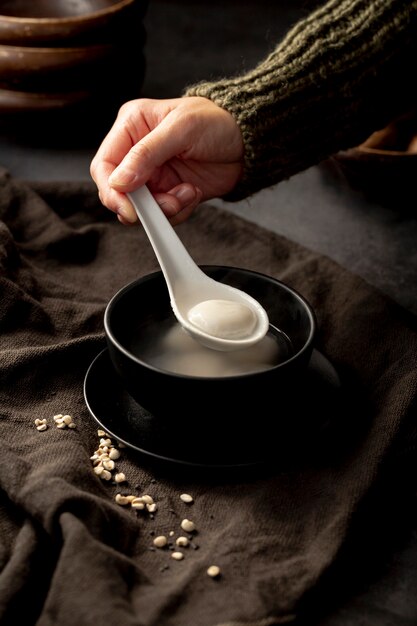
x=293 y=545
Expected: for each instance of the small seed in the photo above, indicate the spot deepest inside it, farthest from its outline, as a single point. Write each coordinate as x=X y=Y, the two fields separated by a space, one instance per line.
x=151 y=507
x=160 y=542
x=187 y=525
x=39 y=422
x=122 y=500
x=61 y=425
x=67 y=419
x=41 y=427
x=185 y=497
x=101 y=433
x=120 y=478
x=108 y=465
x=182 y=541
x=114 y=454
x=178 y=556
x=139 y=506
x=99 y=469
x=171 y=533
x=105 y=475
x=213 y=571
x=58 y=417
x=72 y=425
x=147 y=499
x=131 y=498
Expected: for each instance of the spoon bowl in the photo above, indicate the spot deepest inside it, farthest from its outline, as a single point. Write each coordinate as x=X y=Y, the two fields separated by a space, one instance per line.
x=189 y=286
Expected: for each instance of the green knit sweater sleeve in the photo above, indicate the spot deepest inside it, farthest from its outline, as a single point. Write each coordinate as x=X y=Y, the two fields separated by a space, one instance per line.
x=338 y=75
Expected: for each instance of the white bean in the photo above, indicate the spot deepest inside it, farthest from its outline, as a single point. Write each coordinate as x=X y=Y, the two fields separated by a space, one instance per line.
x=213 y=571
x=187 y=525
x=185 y=497
x=160 y=542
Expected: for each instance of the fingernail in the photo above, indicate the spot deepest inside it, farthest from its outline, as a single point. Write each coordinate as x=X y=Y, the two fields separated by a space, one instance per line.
x=128 y=213
x=122 y=177
x=185 y=195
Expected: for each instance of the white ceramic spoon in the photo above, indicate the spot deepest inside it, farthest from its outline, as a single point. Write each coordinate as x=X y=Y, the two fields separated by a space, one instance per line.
x=187 y=284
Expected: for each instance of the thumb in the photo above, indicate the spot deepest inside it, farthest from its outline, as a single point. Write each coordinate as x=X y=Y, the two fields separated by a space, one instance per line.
x=152 y=151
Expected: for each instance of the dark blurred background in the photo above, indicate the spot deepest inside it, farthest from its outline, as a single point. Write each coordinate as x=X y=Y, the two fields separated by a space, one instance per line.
x=183 y=42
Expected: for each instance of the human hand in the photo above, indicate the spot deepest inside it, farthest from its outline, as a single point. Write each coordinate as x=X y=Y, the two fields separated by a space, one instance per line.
x=186 y=150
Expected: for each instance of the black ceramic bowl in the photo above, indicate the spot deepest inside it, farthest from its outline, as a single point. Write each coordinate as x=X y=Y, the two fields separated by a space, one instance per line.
x=144 y=305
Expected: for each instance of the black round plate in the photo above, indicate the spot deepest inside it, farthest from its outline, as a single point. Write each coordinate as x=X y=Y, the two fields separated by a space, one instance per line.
x=170 y=441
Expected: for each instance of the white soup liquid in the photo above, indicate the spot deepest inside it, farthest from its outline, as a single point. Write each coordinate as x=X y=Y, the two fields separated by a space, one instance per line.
x=165 y=345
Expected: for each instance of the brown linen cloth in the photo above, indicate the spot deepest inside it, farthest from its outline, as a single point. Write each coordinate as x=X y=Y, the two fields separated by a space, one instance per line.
x=292 y=545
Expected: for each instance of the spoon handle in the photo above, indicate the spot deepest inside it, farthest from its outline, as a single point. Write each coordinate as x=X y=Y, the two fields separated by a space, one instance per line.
x=175 y=261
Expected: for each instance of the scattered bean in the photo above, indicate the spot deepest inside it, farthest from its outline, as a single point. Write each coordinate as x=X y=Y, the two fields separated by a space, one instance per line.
x=178 y=556
x=187 y=525
x=182 y=541
x=213 y=571
x=122 y=500
x=63 y=421
x=120 y=478
x=160 y=542
x=185 y=497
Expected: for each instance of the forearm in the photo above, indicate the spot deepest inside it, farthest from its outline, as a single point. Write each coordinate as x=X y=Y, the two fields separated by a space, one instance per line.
x=337 y=76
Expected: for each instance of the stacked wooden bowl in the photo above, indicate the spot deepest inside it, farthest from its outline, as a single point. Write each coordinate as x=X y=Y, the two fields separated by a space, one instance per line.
x=55 y=54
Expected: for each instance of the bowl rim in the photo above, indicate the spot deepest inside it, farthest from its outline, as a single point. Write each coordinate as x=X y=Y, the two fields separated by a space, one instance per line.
x=49 y=51
x=307 y=346
x=117 y=6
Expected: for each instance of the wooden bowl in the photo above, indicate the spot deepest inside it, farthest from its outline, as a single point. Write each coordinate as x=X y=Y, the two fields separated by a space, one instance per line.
x=14 y=101
x=33 y=22
x=28 y=68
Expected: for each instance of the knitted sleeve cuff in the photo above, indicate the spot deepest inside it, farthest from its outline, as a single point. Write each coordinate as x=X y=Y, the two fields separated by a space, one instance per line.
x=336 y=77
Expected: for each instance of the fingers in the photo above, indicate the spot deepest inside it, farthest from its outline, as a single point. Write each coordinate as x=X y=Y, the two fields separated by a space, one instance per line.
x=154 y=149
x=177 y=205
x=180 y=202
x=132 y=152
x=112 y=199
